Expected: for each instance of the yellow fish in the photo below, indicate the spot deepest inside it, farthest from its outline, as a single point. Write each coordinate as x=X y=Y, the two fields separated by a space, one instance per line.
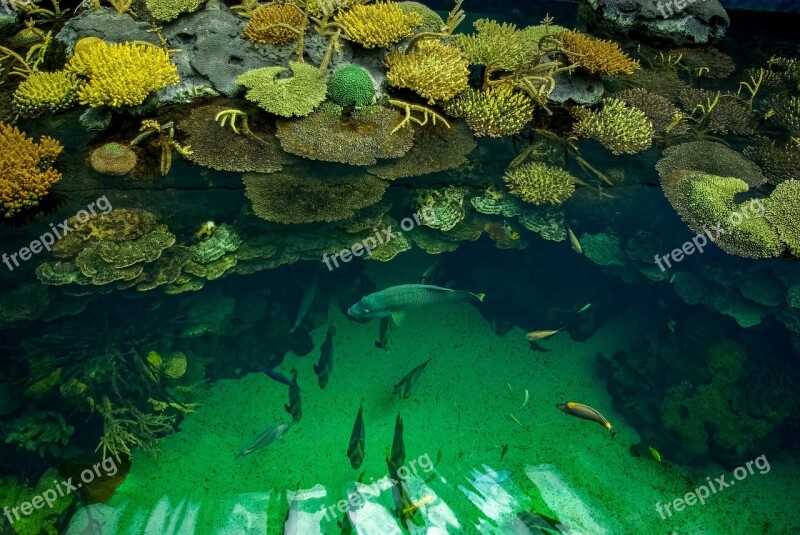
x=425 y=500
x=539 y=335
x=576 y=245
x=510 y=233
x=655 y=454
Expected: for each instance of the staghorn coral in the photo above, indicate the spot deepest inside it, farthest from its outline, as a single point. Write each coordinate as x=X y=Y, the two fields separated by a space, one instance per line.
x=297 y=95
x=778 y=163
x=619 y=127
x=538 y=183
x=436 y=148
x=351 y=85
x=433 y=70
x=729 y=115
x=783 y=212
x=785 y=112
x=294 y=197
x=113 y=159
x=121 y=74
x=25 y=172
x=707 y=201
x=126 y=427
x=659 y=109
x=713 y=62
x=167 y=10
x=378 y=25
x=499 y=111
x=596 y=55
x=46 y=93
x=358 y=139
x=710 y=158
x=501 y=46
x=275 y=24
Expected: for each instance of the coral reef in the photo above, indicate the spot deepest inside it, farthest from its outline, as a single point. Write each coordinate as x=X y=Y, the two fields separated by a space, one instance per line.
x=727 y=115
x=292 y=197
x=596 y=55
x=783 y=212
x=710 y=158
x=431 y=21
x=619 y=127
x=297 y=95
x=658 y=108
x=778 y=163
x=435 y=71
x=351 y=85
x=539 y=183
x=25 y=172
x=44 y=93
x=121 y=74
x=378 y=25
x=786 y=112
x=713 y=62
x=357 y=139
x=497 y=112
x=167 y=10
x=275 y=24
x=501 y=46
x=113 y=159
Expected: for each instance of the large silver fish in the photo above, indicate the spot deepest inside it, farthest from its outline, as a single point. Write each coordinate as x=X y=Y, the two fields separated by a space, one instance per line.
x=265 y=439
x=398 y=299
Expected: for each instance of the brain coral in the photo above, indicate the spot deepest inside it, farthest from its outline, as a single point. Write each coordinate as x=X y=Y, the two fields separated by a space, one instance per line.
x=46 y=92
x=497 y=112
x=538 y=183
x=433 y=70
x=25 y=172
x=358 y=139
x=378 y=25
x=297 y=95
x=275 y=24
x=351 y=85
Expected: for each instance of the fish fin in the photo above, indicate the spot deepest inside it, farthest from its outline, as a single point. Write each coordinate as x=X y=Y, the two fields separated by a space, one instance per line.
x=398 y=318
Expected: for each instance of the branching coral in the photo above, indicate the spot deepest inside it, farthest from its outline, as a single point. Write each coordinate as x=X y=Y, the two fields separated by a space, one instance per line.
x=783 y=212
x=659 y=109
x=538 y=183
x=45 y=93
x=378 y=25
x=499 y=111
x=113 y=159
x=121 y=74
x=297 y=95
x=126 y=427
x=721 y=114
x=431 y=21
x=358 y=139
x=665 y=82
x=713 y=62
x=25 y=172
x=433 y=70
x=45 y=432
x=275 y=24
x=619 y=127
x=167 y=10
x=292 y=197
x=709 y=158
x=785 y=112
x=778 y=163
x=596 y=55
x=499 y=46
x=351 y=85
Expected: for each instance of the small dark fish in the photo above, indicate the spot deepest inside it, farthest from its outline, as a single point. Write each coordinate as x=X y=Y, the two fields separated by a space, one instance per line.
x=397 y=458
x=278 y=376
x=384 y=333
x=587 y=413
x=295 y=407
x=403 y=388
x=538 y=523
x=355 y=452
x=265 y=439
x=503 y=451
x=324 y=367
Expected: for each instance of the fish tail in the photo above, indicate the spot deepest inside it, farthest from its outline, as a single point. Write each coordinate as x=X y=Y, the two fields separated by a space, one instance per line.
x=480 y=297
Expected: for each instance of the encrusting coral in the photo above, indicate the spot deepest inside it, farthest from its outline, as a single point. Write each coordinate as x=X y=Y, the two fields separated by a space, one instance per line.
x=25 y=172
x=783 y=212
x=378 y=25
x=433 y=70
x=121 y=74
x=297 y=95
x=167 y=10
x=275 y=24
x=497 y=112
x=596 y=55
x=113 y=159
x=46 y=93
x=619 y=127
x=360 y=138
x=351 y=85
x=539 y=183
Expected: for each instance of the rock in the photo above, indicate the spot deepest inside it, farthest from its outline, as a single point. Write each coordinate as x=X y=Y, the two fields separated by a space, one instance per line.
x=105 y=24
x=578 y=87
x=698 y=21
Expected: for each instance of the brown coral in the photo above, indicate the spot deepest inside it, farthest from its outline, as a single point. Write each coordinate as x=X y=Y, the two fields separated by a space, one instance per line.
x=113 y=159
x=596 y=55
x=275 y=24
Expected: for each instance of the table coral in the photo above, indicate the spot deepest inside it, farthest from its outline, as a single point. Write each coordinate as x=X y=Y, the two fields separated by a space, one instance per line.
x=275 y=24
x=710 y=158
x=295 y=96
x=378 y=25
x=619 y=127
x=46 y=93
x=539 y=183
x=121 y=74
x=351 y=85
x=433 y=70
x=25 y=172
x=596 y=55
x=499 y=111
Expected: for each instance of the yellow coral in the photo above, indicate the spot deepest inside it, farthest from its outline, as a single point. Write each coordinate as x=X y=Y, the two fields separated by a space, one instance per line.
x=25 y=173
x=378 y=25
x=596 y=55
x=621 y=128
x=433 y=70
x=121 y=74
x=497 y=112
x=46 y=92
x=538 y=183
x=275 y=24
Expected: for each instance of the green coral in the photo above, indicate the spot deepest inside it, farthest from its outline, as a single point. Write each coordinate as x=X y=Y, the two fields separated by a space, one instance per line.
x=431 y=21
x=501 y=46
x=351 y=85
x=45 y=432
x=783 y=212
x=167 y=10
x=442 y=209
x=709 y=158
x=539 y=183
x=297 y=95
x=619 y=127
x=499 y=111
x=43 y=520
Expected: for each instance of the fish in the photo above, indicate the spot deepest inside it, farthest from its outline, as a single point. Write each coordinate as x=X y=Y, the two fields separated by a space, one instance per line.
x=324 y=366
x=295 y=407
x=384 y=333
x=538 y=523
x=672 y=278
x=266 y=438
x=503 y=451
x=425 y=500
x=278 y=376
x=305 y=303
x=540 y=335
x=510 y=233
x=655 y=454
x=355 y=451
x=396 y=300
x=587 y=413
x=585 y=308
x=573 y=241
x=397 y=458
x=403 y=388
